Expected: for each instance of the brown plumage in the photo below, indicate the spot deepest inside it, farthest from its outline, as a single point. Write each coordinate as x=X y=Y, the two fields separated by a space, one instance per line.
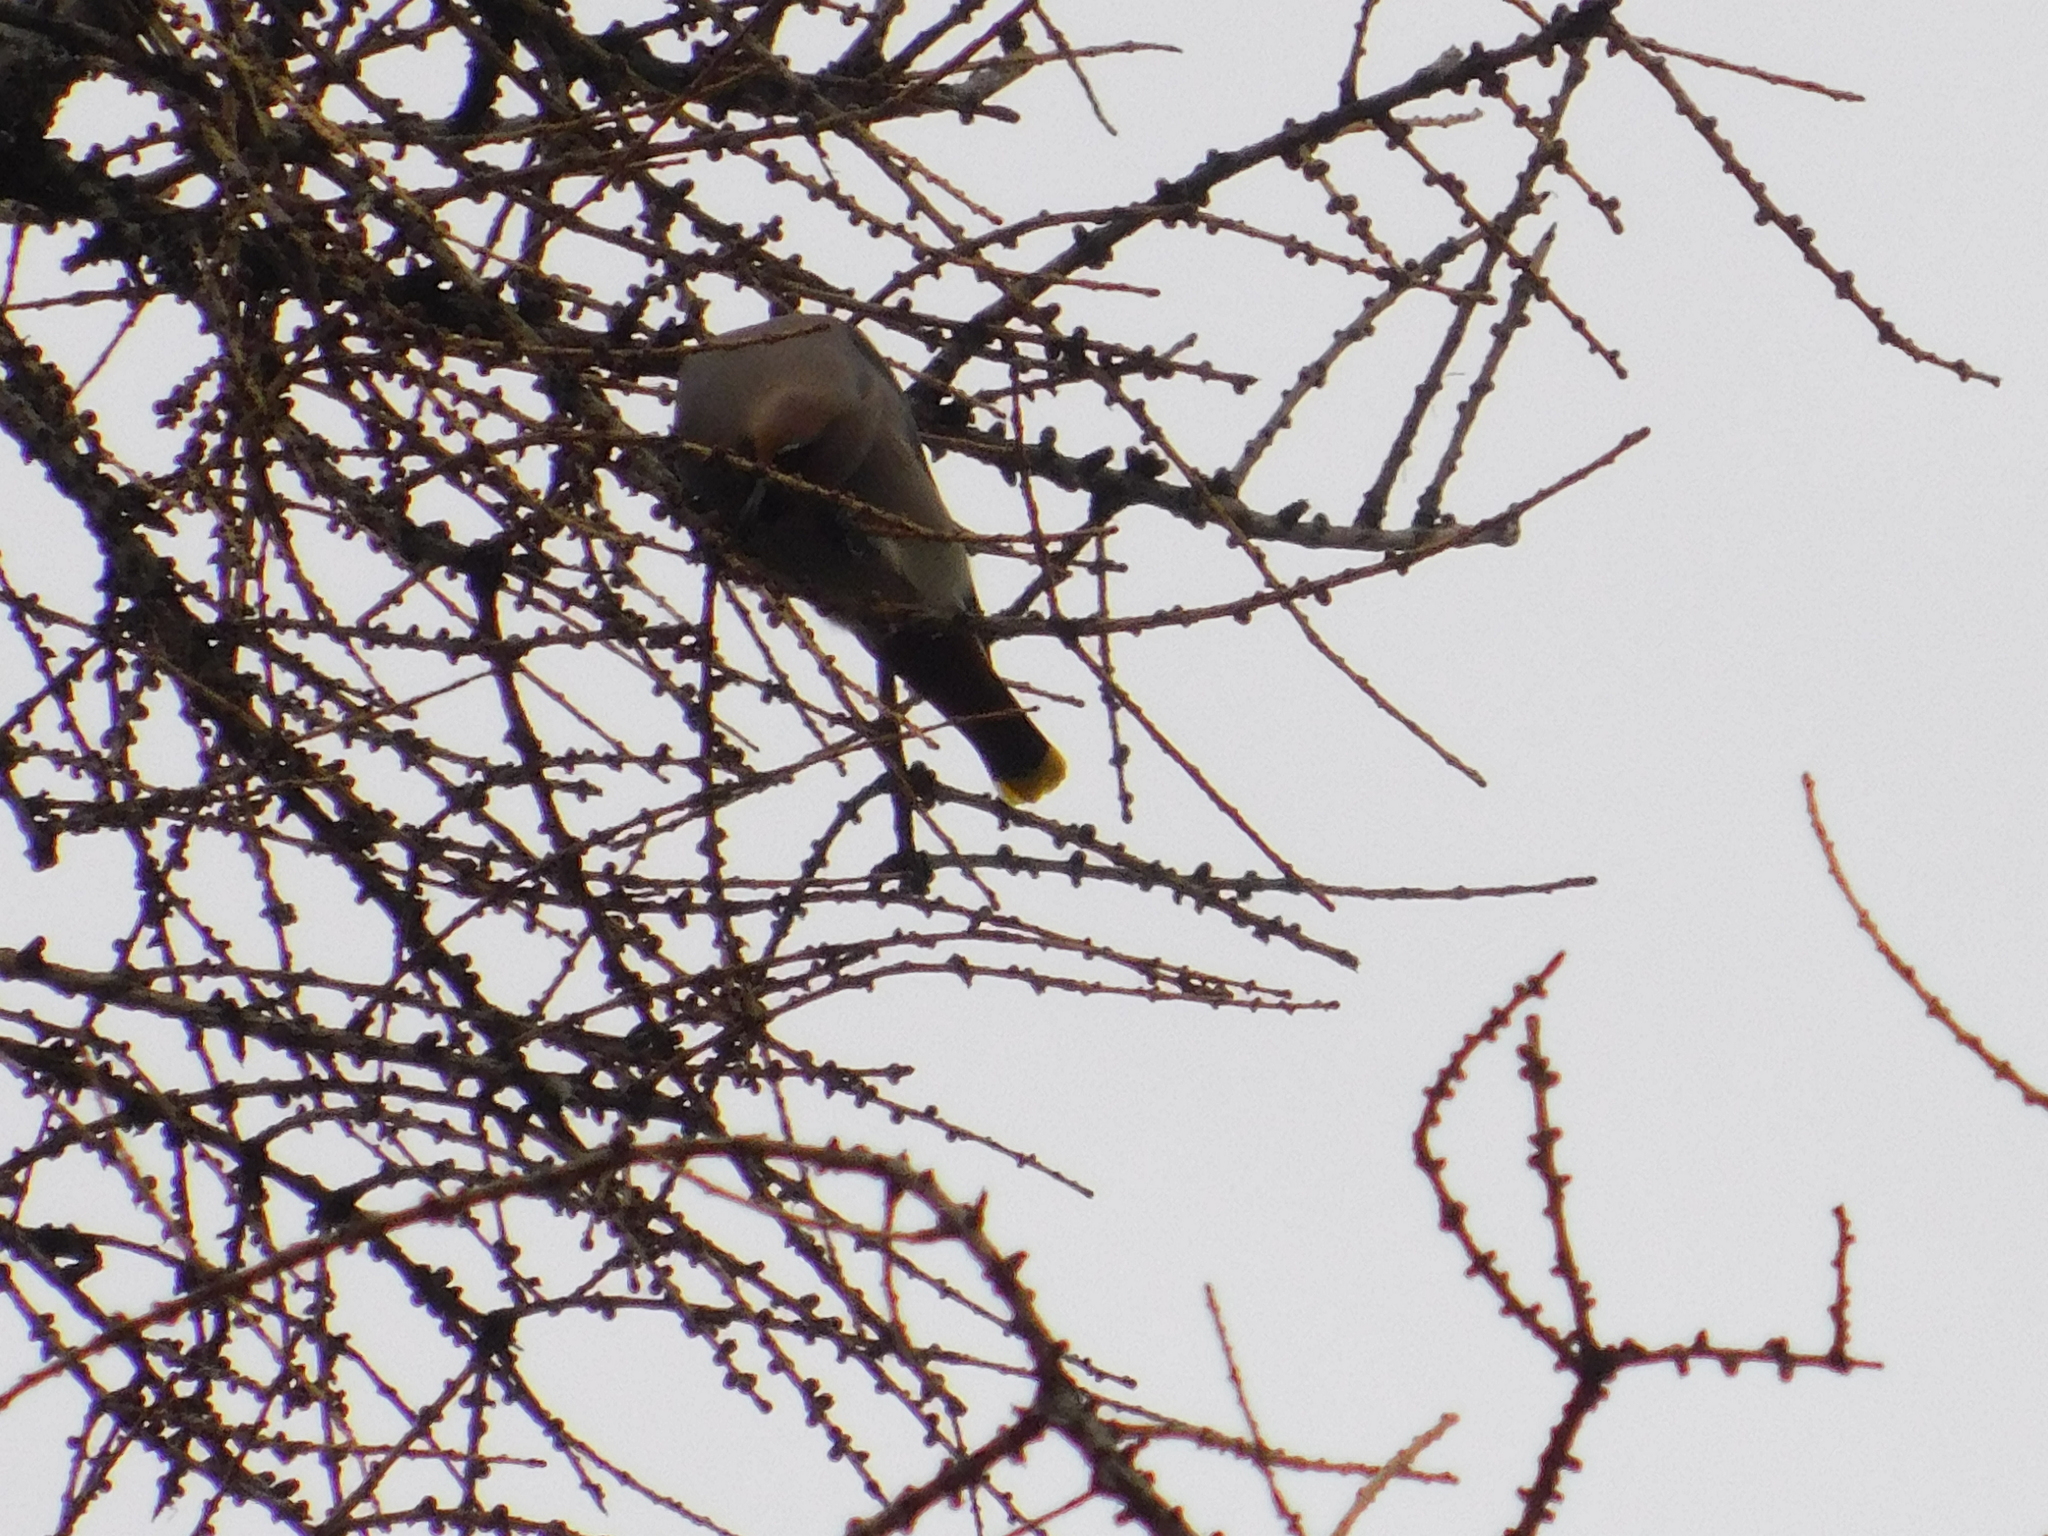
x=806 y=397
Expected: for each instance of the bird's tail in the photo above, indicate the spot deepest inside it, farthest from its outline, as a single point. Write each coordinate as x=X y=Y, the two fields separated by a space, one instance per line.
x=949 y=668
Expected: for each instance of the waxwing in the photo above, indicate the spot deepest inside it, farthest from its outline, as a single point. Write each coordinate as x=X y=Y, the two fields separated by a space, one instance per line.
x=850 y=518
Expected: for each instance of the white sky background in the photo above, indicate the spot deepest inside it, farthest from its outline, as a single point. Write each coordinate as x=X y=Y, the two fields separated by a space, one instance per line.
x=1825 y=559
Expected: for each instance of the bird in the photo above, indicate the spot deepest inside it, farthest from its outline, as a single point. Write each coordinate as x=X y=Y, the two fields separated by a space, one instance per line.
x=802 y=455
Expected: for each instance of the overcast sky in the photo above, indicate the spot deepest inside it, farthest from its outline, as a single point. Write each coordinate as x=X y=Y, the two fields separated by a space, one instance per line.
x=1826 y=559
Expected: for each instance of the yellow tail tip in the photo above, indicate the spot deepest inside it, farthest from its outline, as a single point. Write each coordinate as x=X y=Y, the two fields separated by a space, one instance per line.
x=1038 y=783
